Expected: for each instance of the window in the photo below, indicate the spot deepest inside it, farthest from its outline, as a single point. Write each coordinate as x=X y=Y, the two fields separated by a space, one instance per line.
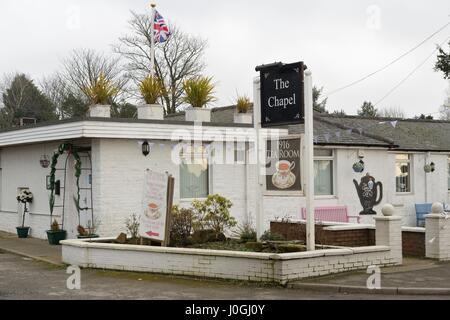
x=323 y=172
x=448 y=173
x=194 y=180
x=403 y=173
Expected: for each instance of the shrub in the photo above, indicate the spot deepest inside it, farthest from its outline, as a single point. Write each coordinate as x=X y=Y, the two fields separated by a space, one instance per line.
x=243 y=104
x=198 y=91
x=271 y=236
x=181 y=227
x=151 y=89
x=54 y=226
x=132 y=224
x=101 y=91
x=214 y=214
x=246 y=232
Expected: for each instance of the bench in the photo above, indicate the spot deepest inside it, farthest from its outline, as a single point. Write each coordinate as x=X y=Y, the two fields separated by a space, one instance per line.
x=422 y=209
x=331 y=214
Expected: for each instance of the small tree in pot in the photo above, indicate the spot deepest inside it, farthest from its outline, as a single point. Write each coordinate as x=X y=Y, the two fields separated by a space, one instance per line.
x=24 y=197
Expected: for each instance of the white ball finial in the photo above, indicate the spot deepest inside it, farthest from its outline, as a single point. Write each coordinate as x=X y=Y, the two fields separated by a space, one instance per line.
x=437 y=207
x=388 y=210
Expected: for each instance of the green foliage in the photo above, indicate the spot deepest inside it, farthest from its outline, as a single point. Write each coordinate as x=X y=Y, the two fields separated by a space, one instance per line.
x=74 y=107
x=182 y=225
x=214 y=214
x=101 y=91
x=198 y=91
x=132 y=225
x=319 y=106
x=368 y=110
x=243 y=104
x=271 y=236
x=23 y=99
x=443 y=63
x=246 y=232
x=151 y=89
x=424 y=117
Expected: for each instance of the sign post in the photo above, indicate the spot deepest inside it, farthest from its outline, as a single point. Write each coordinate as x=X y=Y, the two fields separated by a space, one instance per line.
x=309 y=163
x=283 y=96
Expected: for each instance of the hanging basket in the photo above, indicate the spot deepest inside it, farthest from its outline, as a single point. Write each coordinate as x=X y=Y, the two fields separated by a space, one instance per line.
x=358 y=167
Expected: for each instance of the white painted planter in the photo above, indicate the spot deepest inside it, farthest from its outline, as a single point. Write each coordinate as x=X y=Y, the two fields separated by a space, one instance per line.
x=198 y=114
x=246 y=118
x=150 y=112
x=100 y=111
x=248 y=266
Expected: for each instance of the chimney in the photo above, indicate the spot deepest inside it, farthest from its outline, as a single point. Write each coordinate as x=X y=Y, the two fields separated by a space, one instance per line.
x=100 y=111
x=150 y=112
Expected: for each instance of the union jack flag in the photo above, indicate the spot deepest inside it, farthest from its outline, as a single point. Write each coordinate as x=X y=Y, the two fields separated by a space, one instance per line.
x=160 y=29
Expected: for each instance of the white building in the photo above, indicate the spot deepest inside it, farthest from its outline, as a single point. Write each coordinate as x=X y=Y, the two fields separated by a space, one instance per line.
x=395 y=153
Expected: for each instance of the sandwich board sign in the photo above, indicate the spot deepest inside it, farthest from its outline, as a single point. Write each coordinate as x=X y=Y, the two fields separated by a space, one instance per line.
x=282 y=99
x=156 y=206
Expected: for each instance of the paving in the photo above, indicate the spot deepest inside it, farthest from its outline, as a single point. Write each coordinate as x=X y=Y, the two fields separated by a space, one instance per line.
x=420 y=277
x=37 y=249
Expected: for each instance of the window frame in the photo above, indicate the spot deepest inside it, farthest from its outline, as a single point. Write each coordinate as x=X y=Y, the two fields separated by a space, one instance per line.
x=411 y=173
x=331 y=158
x=209 y=174
x=448 y=172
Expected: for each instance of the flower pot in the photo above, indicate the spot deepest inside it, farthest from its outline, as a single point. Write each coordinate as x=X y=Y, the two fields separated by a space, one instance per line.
x=88 y=237
x=54 y=237
x=22 y=232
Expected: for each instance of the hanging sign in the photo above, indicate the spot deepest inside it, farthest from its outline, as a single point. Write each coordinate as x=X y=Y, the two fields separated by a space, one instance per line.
x=156 y=206
x=282 y=92
x=283 y=165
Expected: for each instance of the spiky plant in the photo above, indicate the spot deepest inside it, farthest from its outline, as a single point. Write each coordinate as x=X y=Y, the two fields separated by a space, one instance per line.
x=243 y=104
x=101 y=91
x=151 y=89
x=198 y=91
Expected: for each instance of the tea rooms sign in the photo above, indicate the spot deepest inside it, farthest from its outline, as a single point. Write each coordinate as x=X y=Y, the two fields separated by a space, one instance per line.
x=283 y=165
x=281 y=94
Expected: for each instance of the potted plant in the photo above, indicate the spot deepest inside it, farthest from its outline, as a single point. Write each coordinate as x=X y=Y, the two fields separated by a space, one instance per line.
x=151 y=89
x=100 y=93
x=358 y=166
x=89 y=231
x=55 y=234
x=24 y=197
x=243 y=105
x=198 y=93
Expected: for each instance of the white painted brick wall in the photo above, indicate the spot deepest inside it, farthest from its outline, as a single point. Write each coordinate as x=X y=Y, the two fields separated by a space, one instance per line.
x=437 y=237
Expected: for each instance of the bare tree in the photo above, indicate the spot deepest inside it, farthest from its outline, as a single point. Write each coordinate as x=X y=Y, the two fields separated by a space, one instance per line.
x=56 y=88
x=83 y=68
x=444 y=110
x=180 y=57
x=393 y=112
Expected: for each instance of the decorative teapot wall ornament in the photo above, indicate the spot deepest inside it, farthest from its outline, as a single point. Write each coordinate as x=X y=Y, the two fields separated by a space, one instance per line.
x=367 y=191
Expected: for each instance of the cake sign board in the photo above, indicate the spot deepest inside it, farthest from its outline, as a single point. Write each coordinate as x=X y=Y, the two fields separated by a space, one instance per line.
x=282 y=94
x=156 y=206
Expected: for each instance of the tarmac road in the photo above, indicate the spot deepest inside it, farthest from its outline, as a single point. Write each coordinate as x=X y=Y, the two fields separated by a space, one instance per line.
x=24 y=278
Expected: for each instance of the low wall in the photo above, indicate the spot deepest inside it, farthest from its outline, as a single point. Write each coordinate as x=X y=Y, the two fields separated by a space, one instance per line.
x=328 y=234
x=350 y=235
x=413 y=242
x=261 y=267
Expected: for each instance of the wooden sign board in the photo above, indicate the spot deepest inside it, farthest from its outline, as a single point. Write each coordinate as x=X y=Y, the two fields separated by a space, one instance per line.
x=282 y=94
x=157 y=203
x=283 y=168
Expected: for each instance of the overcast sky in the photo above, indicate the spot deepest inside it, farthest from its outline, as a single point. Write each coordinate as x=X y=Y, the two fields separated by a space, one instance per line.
x=340 y=41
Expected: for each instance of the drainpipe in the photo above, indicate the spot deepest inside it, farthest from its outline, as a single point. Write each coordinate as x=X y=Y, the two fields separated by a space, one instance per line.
x=427 y=157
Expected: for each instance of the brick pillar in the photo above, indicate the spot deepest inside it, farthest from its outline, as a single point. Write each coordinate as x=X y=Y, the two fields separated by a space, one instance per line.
x=389 y=232
x=437 y=234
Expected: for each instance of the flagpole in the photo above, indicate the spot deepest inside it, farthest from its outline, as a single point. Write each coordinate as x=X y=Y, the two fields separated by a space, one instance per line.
x=152 y=41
